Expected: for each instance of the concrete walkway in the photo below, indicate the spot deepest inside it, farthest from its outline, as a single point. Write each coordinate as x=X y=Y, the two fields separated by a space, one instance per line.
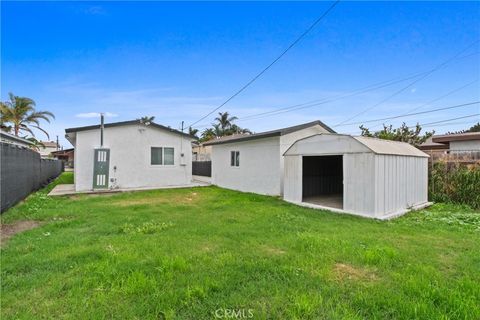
x=69 y=189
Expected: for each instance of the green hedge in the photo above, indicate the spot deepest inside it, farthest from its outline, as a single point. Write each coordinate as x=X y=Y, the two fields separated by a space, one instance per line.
x=452 y=182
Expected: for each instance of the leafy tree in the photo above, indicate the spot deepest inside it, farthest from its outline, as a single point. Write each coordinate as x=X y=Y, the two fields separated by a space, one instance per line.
x=20 y=113
x=404 y=134
x=474 y=128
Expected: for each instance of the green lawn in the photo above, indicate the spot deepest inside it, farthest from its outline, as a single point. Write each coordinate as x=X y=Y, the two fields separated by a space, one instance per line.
x=185 y=253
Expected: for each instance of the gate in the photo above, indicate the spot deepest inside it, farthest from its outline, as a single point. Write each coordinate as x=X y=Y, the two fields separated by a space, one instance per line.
x=202 y=168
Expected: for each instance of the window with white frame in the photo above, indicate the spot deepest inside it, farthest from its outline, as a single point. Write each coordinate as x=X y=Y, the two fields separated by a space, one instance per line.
x=235 y=158
x=162 y=156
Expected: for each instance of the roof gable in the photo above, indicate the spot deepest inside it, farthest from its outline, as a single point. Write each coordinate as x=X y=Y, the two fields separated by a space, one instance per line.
x=267 y=134
x=342 y=143
x=126 y=123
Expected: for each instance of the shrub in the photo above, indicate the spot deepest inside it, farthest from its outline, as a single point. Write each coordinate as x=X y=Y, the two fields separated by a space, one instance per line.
x=452 y=182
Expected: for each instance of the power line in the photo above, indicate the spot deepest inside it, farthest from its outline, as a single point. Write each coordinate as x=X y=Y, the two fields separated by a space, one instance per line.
x=434 y=100
x=408 y=86
x=317 y=102
x=272 y=63
x=453 y=119
x=412 y=114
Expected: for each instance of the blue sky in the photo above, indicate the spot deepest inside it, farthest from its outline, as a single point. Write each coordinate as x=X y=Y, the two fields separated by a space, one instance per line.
x=177 y=61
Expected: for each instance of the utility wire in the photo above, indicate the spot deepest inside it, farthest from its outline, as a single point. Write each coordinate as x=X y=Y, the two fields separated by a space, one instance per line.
x=408 y=86
x=453 y=119
x=317 y=102
x=271 y=64
x=434 y=100
x=412 y=114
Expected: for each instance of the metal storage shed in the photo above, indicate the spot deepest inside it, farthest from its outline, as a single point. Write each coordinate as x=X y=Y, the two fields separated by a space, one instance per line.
x=358 y=175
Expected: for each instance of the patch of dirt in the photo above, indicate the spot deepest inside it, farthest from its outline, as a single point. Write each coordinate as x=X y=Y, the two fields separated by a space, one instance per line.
x=272 y=250
x=9 y=230
x=348 y=272
x=177 y=199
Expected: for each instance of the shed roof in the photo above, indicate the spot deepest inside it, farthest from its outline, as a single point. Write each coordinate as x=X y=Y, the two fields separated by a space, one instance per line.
x=266 y=134
x=382 y=146
x=342 y=143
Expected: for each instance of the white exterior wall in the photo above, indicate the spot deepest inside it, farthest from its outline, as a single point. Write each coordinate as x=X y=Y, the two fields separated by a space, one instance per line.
x=401 y=182
x=287 y=140
x=470 y=145
x=130 y=152
x=259 y=169
x=293 y=187
x=359 y=183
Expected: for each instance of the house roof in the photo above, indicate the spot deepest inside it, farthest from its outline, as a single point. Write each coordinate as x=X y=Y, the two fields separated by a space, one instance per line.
x=63 y=151
x=430 y=145
x=266 y=134
x=446 y=138
x=13 y=138
x=126 y=123
x=49 y=144
x=340 y=144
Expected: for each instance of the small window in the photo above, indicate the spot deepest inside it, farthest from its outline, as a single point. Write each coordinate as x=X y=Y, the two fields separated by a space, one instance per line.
x=234 y=158
x=156 y=156
x=168 y=156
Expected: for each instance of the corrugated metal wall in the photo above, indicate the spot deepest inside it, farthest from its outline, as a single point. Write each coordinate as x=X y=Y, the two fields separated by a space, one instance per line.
x=359 y=183
x=292 y=189
x=400 y=182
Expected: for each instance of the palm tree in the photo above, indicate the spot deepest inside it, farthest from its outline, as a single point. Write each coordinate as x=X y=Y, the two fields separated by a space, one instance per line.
x=224 y=120
x=193 y=132
x=21 y=113
x=36 y=144
x=147 y=120
x=208 y=134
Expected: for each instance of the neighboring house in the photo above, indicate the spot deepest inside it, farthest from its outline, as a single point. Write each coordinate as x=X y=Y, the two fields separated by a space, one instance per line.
x=12 y=139
x=47 y=148
x=254 y=163
x=201 y=152
x=455 y=142
x=65 y=155
x=360 y=175
x=132 y=155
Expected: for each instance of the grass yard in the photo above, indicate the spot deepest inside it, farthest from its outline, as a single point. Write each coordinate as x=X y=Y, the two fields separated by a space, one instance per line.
x=185 y=253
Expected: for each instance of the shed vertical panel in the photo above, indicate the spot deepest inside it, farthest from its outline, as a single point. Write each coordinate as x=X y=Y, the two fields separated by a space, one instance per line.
x=359 y=183
x=293 y=178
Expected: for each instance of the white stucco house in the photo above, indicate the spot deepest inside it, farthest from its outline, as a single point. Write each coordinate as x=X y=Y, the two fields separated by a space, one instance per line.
x=358 y=175
x=254 y=163
x=131 y=155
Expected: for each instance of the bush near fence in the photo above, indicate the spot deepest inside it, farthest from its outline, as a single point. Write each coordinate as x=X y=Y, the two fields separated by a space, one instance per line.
x=455 y=177
x=23 y=171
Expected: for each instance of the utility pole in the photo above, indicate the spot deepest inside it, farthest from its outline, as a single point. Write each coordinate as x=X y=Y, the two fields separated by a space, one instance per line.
x=57 y=142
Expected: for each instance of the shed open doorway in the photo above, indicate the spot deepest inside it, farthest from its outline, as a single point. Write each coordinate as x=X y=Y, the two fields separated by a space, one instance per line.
x=323 y=180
